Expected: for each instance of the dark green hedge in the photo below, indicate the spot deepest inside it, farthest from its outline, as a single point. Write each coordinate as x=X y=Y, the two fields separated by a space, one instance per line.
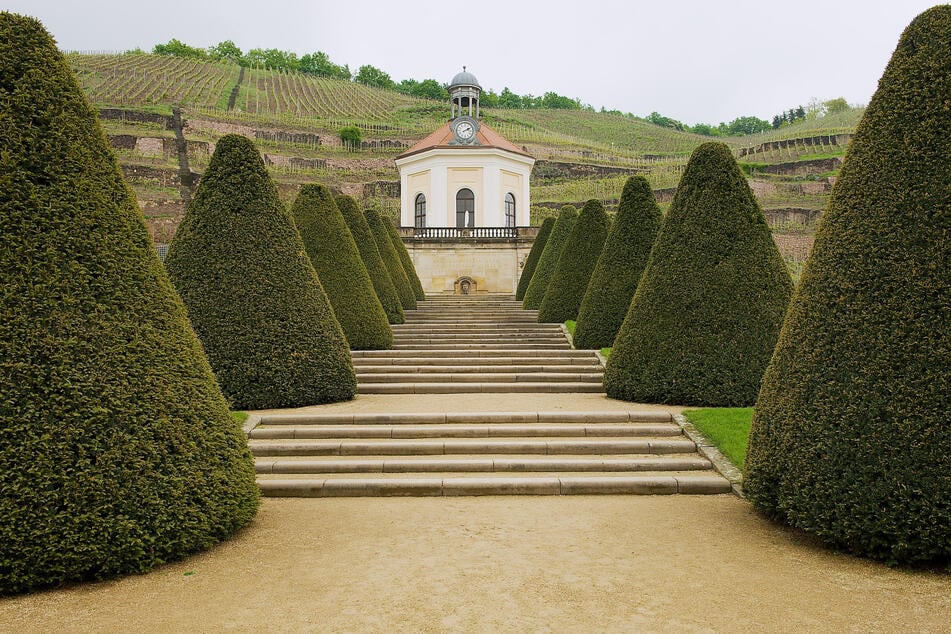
x=704 y=319
x=408 y=267
x=336 y=259
x=533 y=256
x=391 y=259
x=619 y=268
x=851 y=437
x=548 y=260
x=117 y=451
x=382 y=284
x=578 y=259
x=251 y=291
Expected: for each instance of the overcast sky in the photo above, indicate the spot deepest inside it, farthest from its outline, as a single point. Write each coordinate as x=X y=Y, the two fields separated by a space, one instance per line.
x=694 y=60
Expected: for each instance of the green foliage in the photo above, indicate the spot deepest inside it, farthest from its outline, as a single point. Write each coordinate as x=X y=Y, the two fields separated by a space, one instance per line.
x=177 y=48
x=727 y=427
x=351 y=136
x=226 y=50
x=405 y=261
x=704 y=319
x=426 y=89
x=850 y=437
x=391 y=259
x=373 y=76
x=531 y=262
x=548 y=260
x=117 y=452
x=620 y=266
x=251 y=291
x=366 y=243
x=319 y=65
x=578 y=259
x=273 y=58
x=342 y=273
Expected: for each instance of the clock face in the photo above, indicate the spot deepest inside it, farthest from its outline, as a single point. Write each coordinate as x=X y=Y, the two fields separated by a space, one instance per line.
x=465 y=130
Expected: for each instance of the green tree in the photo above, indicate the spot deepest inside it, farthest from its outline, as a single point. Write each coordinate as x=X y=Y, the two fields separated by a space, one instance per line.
x=226 y=50
x=117 y=451
x=508 y=99
x=706 y=313
x=251 y=291
x=578 y=259
x=548 y=260
x=342 y=273
x=407 y=262
x=834 y=106
x=319 y=65
x=366 y=243
x=533 y=256
x=351 y=137
x=747 y=125
x=850 y=438
x=177 y=48
x=373 y=76
x=391 y=259
x=619 y=268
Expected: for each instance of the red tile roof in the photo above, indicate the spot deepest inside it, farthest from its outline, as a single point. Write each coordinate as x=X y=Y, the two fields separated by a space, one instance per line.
x=486 y=135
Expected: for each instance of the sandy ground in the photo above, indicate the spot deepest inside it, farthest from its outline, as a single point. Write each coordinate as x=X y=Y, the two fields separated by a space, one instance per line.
x=566 y=564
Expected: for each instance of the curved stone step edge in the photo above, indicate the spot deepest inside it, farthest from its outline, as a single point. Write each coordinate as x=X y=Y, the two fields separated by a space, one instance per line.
x=573 y=485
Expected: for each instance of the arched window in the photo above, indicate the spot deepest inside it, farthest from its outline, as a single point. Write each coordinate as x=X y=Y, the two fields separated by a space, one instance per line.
x=465 y=208
x=509 y=210
x=420 y=212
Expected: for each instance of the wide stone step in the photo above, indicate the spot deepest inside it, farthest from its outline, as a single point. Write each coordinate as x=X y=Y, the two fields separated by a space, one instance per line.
x=483 y=377
x=428 y=447
x=480 y=388
x=458 y=430
x=483 y=346
x=414 y=418
x=428 y=368
x=560 y=353
x=449 y=361
x=468 y=337
x=299 y=465
x=543 y=484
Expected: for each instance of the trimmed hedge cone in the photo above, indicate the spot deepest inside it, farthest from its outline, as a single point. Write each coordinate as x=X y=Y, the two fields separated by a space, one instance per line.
x=578 y=259
x=850 y=437
x=382 y=284
x=531 y=262
x=251 y=291
x=704 y=319
x=619 y=268
x=391 y=259
x=548 y=260
x=342 y=274
x=407 y=263
x=117 y=451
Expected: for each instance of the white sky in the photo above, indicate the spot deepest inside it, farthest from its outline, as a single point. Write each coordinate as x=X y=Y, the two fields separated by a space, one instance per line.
x=694 y=60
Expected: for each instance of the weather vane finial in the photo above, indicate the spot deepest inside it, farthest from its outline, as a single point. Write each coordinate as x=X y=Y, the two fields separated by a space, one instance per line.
x=463 y=68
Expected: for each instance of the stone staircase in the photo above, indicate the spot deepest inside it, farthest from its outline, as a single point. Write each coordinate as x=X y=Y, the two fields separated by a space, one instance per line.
x=476 y=344
x=501 y=453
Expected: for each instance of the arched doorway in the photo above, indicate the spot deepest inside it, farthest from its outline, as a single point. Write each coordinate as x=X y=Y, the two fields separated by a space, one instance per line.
x=465 y=208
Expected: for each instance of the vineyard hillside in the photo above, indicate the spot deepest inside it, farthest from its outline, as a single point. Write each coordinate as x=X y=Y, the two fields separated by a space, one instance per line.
x=164 y=114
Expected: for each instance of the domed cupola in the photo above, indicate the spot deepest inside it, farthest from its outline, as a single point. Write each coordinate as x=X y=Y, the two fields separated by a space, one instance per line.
x=464 y=92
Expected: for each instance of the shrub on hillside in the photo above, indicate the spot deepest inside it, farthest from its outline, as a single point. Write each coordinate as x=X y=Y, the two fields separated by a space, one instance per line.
x=533 y=256
x=366 y=244
x=578 y=259
x=117 y=451
x=850 y=437
x=548 y=260
x=620 y=266
x=408 y=267
x=704 y=319
x=251 y=291
x=391 y=259
x=351 y=136
x=342 y=273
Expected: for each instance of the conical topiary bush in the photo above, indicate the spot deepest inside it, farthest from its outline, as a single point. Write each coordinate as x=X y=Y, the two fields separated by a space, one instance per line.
x=407 y=263
x=117 y=451
x=391 y=259
x=548 y=260
x=578 y=259
x=850 y=437
x=251 y=292
x=382 y=284
x=619 y=268
x=704 y=319
x=533 y=256
x=342 y=274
